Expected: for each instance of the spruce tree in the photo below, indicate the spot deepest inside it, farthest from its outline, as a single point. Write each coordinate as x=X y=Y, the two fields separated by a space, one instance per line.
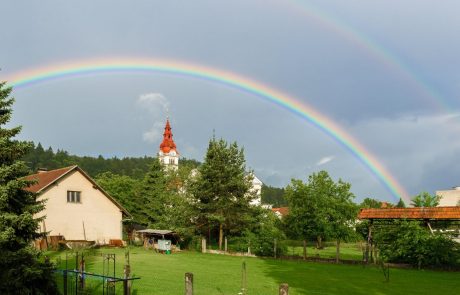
x=153 y=193
x=222 y=190
x=22 y=269
x=401 y=204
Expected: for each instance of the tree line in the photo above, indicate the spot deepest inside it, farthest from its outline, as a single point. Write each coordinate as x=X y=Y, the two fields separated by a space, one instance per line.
x=211 y=199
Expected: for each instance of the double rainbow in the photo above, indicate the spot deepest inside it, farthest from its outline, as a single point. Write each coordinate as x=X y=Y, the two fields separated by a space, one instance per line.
x=172 y=67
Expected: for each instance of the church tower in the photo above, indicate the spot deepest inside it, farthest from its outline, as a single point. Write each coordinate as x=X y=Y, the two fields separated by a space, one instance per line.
x=168 y=155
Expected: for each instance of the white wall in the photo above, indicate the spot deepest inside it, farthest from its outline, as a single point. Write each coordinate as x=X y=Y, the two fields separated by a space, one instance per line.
x=449 y=197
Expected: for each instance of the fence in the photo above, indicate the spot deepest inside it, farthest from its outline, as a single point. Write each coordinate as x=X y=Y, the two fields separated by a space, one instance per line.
x=283 y=288
x=289 y=249
x=79 y=281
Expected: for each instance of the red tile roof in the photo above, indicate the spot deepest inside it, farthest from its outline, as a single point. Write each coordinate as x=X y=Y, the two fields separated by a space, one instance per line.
x=282 y=210
x=168 y=143
x=48 y=178
x=411 y=213
x=45 y=178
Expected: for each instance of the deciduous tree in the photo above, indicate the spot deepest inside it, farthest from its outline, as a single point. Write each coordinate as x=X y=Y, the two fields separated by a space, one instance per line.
x=424 y=199
x=320 y=208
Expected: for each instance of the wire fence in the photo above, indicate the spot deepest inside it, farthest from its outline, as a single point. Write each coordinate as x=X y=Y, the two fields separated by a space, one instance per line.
x=73 y=278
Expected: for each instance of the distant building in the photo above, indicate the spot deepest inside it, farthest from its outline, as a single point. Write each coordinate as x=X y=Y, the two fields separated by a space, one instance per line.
x=168 y=154
x=257 y=189
x=449 y=197
x=76 y=207
x=281 y=212
x=169 y=157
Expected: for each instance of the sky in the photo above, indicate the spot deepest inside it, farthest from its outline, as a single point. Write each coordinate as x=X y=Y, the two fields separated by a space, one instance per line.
x=385 y=72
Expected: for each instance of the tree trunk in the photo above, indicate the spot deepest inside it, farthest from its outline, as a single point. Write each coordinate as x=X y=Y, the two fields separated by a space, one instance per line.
x=319 y=244
x=304 y=249
x=221 y=235
x=337 y=254
x=369 y=240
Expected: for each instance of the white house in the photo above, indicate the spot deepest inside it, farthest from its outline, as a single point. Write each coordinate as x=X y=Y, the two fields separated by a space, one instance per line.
x=76 y=207
x=257 y=189
x=449 y=197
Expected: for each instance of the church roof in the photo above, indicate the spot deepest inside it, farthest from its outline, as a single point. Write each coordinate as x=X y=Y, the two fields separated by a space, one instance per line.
x=168 y=144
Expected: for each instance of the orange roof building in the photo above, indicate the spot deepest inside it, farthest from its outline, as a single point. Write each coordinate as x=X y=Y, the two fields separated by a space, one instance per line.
x=425 y=213
x=168 y=154
x=281 y=211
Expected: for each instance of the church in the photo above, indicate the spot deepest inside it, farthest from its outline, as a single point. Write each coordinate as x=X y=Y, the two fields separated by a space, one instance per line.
x=169 y=157
x=168 y=154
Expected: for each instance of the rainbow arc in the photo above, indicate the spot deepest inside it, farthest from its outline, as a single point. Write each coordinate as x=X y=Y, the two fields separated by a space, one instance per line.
x=34 y=76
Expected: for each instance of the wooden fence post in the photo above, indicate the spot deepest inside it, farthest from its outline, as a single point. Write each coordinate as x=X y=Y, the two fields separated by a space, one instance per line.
x=369 y=241
x=226 y=248
x=188 y=283
x=65 y=281
x=203 y=245
x=284 y=289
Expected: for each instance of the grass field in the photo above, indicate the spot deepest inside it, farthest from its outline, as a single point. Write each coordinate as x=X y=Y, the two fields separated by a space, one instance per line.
x=218 y=274
x=348 y=251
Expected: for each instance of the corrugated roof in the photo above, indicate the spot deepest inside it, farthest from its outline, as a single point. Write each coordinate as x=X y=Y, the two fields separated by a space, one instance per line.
x=156 y=231
x=445 y=213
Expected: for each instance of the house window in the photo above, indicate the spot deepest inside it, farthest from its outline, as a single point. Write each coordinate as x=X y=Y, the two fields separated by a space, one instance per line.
x=73 y=197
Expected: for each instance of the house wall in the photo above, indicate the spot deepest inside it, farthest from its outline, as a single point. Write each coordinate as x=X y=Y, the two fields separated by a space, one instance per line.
x=101 y=217
x=449 y=197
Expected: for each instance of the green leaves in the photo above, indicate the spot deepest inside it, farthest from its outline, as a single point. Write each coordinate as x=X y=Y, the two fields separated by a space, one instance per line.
x=424 y=199
x=23 y=272
x=320 y=207
x=221 y=188
x=411 y=242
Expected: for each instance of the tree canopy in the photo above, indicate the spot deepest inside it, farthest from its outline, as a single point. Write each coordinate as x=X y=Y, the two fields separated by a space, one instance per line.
x=320 y=208
x=424 y=199
x=23 y=269
x=221 y=189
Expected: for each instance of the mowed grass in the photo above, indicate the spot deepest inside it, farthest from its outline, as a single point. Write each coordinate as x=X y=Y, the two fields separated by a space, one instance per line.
x=219 y=274
x=348 y=251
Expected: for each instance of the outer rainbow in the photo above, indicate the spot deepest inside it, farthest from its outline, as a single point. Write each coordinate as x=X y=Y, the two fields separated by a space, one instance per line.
x=38 y=75
x=374 y=49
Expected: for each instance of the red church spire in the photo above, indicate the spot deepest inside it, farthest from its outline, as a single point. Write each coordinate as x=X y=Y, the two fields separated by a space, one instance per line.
x=168 y=143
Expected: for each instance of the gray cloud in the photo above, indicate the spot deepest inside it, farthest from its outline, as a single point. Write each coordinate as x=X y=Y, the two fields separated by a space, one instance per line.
x=388 y=93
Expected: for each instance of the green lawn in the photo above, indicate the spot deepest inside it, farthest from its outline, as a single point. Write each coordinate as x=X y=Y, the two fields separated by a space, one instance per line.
x=348 y=251
x=218 y=274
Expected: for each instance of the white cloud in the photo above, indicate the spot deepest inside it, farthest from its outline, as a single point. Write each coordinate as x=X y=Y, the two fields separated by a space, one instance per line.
x=154 y=134
x=155 y=103
x=325 y=160
x=158 y=106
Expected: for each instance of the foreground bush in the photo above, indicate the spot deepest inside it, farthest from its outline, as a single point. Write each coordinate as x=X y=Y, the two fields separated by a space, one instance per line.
x=412 y=243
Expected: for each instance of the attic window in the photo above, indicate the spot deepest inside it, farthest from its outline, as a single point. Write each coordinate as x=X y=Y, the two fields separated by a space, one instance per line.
x=73 y=197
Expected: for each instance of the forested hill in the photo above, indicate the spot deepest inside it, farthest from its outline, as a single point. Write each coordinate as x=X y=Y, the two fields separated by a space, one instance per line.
x=273 y=195
x=135 y=167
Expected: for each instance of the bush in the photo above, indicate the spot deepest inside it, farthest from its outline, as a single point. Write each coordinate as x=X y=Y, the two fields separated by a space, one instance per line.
x=409 y=242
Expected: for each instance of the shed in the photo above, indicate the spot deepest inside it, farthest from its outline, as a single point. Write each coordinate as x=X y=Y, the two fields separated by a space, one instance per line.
x=151 y=238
